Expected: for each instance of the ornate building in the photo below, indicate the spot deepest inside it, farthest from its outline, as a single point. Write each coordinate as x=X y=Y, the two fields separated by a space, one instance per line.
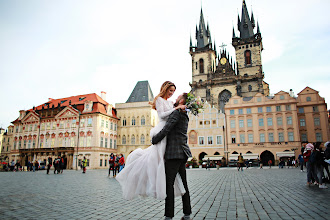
x=73 y=127
x=136 y=119
x=216 y=77
x=7 y=142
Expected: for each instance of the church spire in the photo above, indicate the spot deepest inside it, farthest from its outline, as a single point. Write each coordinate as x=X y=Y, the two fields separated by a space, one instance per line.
x=202 y=33
x=245 y=25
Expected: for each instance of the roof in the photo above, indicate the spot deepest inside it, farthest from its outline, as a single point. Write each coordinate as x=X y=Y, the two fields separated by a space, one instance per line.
x=141 y=92
x=245 y=25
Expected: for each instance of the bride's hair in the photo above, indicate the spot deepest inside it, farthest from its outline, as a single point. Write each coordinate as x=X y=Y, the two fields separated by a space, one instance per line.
x=163 y=89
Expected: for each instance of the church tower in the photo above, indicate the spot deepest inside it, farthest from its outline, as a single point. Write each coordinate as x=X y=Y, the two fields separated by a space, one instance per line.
x=248 y=48
x=216 y=77
x=203 y=57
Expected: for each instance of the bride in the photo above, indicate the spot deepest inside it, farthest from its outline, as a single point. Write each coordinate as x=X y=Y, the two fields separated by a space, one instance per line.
x=144 y=172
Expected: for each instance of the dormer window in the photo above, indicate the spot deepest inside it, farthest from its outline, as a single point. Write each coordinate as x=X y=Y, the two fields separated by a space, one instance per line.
x=81 y=98
x=88 y=106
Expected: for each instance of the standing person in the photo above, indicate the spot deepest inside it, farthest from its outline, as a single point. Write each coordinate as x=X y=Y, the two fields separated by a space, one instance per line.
x=309 y=163
x=18 y=166
x=281 y=164
x=117 y=164
x=176 y=154
x=301 y=162
x=112 y=165
x=49 y=164
x=12 y=165
x=289 y=162
x=62 y=164
x=121 y=162
x=144 y=172
x=270 y=162
x=240 y=162
x=208 y=164
x=260 y=163
x=84 y=164
x=319 y=159
x=34 y=165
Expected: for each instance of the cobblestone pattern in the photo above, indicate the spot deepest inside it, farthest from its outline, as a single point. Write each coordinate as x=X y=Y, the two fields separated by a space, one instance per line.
x=215 y=194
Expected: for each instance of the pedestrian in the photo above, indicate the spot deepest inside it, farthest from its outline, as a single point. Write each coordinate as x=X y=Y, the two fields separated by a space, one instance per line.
x=301 y=162
x=117 y=164
x=57 y=165
x=34 y=165
x=84 y=163
x=309 y=163
x=112 y=165
x=281 y=164
x=49 y=164
x=260 y=164
x=62 y=164
x=121 y=162
x=246 y=164
x=12 y=165
x=18 y=166
x=319 y=159
x=240 y=162
x=289 y=163
x=270 y=162
x=208 y=164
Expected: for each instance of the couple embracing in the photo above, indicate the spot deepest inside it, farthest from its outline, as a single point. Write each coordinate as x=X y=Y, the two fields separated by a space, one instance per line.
x=159 y=170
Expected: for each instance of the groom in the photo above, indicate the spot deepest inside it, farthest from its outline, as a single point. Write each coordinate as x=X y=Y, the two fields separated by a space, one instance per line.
x=176 y=155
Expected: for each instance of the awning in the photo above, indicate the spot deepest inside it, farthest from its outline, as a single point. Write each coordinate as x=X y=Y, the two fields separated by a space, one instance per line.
x=213 y=157
x=285 y=154
x=245 y=156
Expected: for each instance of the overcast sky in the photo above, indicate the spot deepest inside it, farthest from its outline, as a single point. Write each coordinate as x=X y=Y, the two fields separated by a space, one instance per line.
x=57 y=49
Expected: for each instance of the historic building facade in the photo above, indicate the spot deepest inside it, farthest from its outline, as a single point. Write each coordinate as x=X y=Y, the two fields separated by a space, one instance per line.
x=215 y=77
x=136 y=119
x=6 y=143
x=206 y=134
x=73 y=127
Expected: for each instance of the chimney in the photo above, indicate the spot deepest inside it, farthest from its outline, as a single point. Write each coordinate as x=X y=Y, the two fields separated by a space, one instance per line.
x=103 y=95
x=21 y=114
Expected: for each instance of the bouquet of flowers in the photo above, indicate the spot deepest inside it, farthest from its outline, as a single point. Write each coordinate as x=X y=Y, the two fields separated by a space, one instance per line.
x=194 y=105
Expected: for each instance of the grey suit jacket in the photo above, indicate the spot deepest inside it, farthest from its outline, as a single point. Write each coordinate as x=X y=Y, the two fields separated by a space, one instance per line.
x=176 y=131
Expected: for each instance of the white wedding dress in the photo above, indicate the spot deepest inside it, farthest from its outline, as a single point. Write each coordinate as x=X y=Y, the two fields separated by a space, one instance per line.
x=144 y=172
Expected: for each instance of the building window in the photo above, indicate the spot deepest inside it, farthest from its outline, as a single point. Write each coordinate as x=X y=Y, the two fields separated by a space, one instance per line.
x=201 y=66
x=110 y=143
x=301 y=110
x=101 y=142
x=232 y=112
x=249 y=122
x=89 y=122
x=315 y=109
x=250 y=88
x=82 y=123
x=248 y=111
x=289 y=120
x=101 y=162
x=302 y=122
x=308 y=99
x=259 y=99
x=34 y=143
x=232 y=123
x=106 y=142
x=235 y=101
x=250 y=137
x=81 y=142
x=282 y=97
x=280 y=137
x=114 y=144
x=233 y=139
x=262 y=137
x=269 y=109
x=318 y=137
x=241 y=123
x=29 y=144
x=210 y=140
x=111 y=126
x=288 y=107
x=115 y=127
x=133 y=139
x=290 y=136
x=133 y=121
x=242 y=138
x=247 y=56
x=278 y=108
x=124 y=122
x=279 y=121
x=201 y=140
x=88 y=162
x=142 y=139
x=219 y=140
x=240 y=111
x=106 y=124
x=143 y=120
x=259 y=109
x=61 y=125
x=304 y=137
x=316 y=121
x=270 y=121
x=73 y=123
x=270 y=137
x=123 y=140
x=261 y=122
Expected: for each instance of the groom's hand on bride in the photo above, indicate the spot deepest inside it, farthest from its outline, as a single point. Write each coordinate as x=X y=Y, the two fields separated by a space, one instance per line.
x=182 y=107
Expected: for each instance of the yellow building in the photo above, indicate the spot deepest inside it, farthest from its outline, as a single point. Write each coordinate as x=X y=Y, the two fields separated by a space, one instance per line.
x=7 y=143
x=206 y=133
x=136 y=119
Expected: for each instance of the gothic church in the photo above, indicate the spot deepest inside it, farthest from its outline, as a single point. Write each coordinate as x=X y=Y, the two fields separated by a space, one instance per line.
x=215 y=76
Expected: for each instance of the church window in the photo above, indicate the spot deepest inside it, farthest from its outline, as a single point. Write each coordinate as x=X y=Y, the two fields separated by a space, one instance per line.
x=247 y=56
x=133 y=121
x=250 y=88
x=201 y=66
x=124 y=122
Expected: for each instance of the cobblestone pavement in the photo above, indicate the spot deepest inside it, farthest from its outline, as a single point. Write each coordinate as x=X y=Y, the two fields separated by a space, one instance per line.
x=215 y=194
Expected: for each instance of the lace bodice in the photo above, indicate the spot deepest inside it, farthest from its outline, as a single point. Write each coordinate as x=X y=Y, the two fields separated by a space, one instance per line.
x=164 y=108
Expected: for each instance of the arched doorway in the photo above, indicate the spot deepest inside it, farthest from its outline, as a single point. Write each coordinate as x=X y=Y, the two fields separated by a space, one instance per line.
x=224 y=97
x=266 y=156
x=201 y=155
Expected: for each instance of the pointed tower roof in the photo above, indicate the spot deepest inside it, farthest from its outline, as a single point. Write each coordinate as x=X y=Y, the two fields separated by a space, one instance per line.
x=202 y=32
x=141 y=93
x=245 y=26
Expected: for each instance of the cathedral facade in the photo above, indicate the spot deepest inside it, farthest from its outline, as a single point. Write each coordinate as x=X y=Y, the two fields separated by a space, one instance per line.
x=216 y=76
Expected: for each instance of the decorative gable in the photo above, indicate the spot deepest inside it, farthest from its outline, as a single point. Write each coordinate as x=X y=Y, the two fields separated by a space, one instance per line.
x=67 y=112
x=31 y=117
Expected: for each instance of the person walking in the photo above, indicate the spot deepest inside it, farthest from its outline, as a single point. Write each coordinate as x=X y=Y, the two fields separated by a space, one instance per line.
x=112 y=165
x=289 y=163
x=84 y=164
x=301 y=162
x=12 y=165
x=240 y=162
x=270 y=162
x=49 y=164
x=121 y=162
x=319 y=159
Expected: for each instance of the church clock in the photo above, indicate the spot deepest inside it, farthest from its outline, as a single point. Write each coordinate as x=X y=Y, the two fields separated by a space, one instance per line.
x=223 y=61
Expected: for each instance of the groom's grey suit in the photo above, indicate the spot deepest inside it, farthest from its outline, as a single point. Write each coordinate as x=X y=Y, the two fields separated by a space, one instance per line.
x=176 y=155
